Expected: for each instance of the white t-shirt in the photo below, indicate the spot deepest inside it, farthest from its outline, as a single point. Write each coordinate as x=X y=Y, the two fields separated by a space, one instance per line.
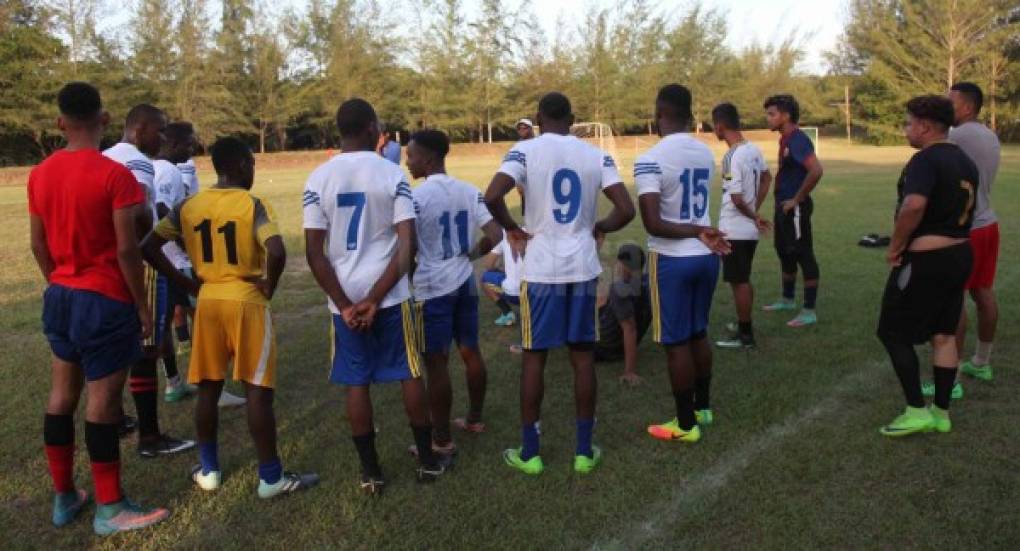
x=511 y=267
x=561 y=177
x=190 y=176
x=742 y=167
x=171 y=191
x=679 y=168
x=139 y=165
x=449 y=213
x=358 y=198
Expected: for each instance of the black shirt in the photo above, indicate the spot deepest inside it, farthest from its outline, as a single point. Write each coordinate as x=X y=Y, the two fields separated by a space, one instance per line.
x=944 y=174
x=627 y=300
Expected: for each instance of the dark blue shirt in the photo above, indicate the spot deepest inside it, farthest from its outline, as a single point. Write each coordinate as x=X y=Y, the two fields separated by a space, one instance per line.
x=793 y=151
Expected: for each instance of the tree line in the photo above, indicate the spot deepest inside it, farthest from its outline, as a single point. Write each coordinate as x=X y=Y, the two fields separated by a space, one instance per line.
x=275 y=75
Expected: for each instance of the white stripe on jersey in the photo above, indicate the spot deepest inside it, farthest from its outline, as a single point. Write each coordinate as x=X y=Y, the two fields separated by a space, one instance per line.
x=139 y=165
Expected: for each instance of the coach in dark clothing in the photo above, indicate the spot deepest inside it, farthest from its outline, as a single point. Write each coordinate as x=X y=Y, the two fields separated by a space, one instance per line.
x=625 y=313
x=931 y=260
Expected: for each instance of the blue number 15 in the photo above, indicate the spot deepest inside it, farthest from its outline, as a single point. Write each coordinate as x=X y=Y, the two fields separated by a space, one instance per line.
x=694 y=188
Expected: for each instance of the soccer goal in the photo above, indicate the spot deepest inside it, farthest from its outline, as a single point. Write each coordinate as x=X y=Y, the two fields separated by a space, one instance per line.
x=812 y=132
x=598 y=134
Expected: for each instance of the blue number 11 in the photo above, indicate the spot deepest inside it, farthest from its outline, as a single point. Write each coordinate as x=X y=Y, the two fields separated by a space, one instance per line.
x=461 y=221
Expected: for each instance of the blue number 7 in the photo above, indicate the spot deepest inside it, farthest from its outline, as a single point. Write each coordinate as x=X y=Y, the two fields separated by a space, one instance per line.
x=356 y=200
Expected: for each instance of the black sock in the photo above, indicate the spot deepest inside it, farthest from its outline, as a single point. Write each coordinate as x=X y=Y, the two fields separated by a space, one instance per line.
x=701 y=392
x=103 y=442
x=58 y=430
x=810 y=295
x=423 y=441
x=685 y=408
x=744 y=329
x=182 y=333
x=144 y=385
x=905 y=362
x=170 y=364
x=365 y=444
x=789 y=289
x=945 y=378
x=504 y=306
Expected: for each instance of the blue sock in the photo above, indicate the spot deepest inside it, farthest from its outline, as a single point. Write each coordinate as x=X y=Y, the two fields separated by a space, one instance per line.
x=209 y=457
x=810 y=295
x=789 y=289
x=271 y=472
x=584 y=430
x=529 y=436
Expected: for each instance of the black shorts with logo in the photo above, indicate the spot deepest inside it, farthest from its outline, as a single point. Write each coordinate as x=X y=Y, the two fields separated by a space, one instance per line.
x=737 y=264
x=793 y=235
x=924 y=294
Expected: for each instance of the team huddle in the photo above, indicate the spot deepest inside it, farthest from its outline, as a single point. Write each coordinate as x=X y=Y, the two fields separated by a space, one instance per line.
x=395 y=264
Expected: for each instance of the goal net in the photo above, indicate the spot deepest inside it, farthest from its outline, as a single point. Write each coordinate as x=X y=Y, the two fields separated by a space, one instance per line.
x=598 y=134
x=812 y=132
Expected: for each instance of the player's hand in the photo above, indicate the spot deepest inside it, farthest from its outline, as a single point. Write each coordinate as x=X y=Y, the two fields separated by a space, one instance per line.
x=630 y=379
x=145 y=317
x=364 y=313
x=600 y=238
x=518 y=240
x=715 y=240
x=894 y=258
x=788 y=206
x=763 y=225
x=265 y=287
x=347 y=314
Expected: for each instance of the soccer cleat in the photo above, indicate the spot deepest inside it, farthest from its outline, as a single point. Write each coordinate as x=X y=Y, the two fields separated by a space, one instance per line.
x=803 y=319
x=671 y=431
x=164 y=444
x=983 y=372
x=207 y=481
x=533 y=466
x=584 y=464
x=67 y=506
x=940 y=419
x=178 y=392
x=127 y=425
x=506 y=320
x=228 y=400
x=372 y=485
x=448 y=449
x=516 y=349
x=124 y=516
x=288 y=483
x=928 y=390
x=737 y=342
x=704 y=417
x=733 y=327
x=431 y=473
x=463 y=424
x=780 y=306
x=913 y=420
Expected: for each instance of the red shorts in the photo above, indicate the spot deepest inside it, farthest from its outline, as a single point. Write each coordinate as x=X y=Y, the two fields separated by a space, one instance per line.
x=985 y=243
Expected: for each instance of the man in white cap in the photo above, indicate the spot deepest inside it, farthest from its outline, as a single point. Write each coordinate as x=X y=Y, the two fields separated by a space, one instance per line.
x=525 y=129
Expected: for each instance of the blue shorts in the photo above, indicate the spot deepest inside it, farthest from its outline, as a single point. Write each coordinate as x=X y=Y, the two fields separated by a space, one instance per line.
x=556 y=314
x=682 y=289
x=450 y=317
x=98 y=333
x=493 y=279
x=386 y=353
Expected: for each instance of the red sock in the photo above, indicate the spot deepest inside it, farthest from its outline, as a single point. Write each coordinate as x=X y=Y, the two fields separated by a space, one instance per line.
x=107 y=479
x=61 y=460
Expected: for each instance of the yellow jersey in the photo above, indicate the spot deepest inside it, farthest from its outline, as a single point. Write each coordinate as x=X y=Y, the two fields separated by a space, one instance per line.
x=224 y=231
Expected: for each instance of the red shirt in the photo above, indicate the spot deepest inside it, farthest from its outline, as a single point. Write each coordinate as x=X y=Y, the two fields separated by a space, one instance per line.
x=75 y=194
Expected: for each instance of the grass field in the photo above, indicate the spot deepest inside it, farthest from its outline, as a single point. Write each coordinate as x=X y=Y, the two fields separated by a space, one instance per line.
x=793 y=461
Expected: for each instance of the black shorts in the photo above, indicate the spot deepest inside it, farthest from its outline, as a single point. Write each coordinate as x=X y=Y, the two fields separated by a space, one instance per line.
x=177 y=296
x=736 y=266
x=793 y=235
x=924 y=295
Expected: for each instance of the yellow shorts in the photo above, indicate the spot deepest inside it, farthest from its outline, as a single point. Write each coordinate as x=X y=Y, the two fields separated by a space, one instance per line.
x=155 y=298
x=233 y=329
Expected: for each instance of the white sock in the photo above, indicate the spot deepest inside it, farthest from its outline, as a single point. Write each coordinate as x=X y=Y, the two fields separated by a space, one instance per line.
x=982 y=354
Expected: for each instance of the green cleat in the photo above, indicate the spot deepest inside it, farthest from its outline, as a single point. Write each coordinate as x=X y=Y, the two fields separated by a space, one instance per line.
x=912 y=420
x=533 y=466
x=940 y=419
x=506 y=320
x=178 y=392
x=803 y=319
x=67 y=506
x=780 y=306
x=704 y=417
x=671 y=431
x=124 y=516
x=584 y=464
x=928 y=390
x=983 y=372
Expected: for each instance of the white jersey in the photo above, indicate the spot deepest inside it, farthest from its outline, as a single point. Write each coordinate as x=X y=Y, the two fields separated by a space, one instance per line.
x=742 y=167
x=190 y=176
x=139 y=165
x=511 y=268
x=679 y=168
x=561 y=177
x=449 y=213
x=358 y=198
x=171 y=192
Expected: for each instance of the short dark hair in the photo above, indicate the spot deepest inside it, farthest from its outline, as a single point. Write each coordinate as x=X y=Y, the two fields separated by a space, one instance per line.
x=354 y=116
x=227 y=153
x=142 y=113
x=677 y=100
x=178 y=131
x=555 y=106
x=434 y=141
x=727 y=114
x=785 y=103
x=932 y=108
x=972 y=92
x=79 y=101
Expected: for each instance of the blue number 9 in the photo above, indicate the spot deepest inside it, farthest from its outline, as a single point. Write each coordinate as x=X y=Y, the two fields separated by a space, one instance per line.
x=569 y=201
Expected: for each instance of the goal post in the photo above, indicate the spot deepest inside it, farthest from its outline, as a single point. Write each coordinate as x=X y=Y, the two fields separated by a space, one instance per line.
x=812 y=133
x=598 y=134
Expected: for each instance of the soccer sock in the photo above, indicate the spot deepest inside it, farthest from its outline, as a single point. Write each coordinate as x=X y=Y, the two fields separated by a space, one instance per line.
x=103 y=444
x=170 y=366
x=745 y=329
x=945 y=378
x=504 y=306
x=143 y=385
x=701 y=392
x=271 y=472
x=789 y=289
x=983 y=354
x=58 y=436
x=685 y=408
x=423 y=441
x=529 y=441
x=365 y=444
x=584 y=430
x=810 y=295
x=208 y=455
x=908 y=369
x=182 y=333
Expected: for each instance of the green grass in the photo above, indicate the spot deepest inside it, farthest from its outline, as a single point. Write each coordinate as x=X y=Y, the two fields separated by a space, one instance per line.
x=794 y=459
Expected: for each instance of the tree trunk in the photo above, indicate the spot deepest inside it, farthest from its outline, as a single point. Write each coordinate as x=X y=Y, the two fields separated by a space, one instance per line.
x=262 y=137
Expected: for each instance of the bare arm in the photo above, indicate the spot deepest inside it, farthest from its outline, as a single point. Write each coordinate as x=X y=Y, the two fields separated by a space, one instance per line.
x=814 y=168
x=651 y=216
x=907 y=219
x=495 y=201
x=493 y=235
x=129 y=258
x=322 y=270
x=764 y=183
x=622 y=213
x=742 y=207
x=152 y=250
x=40 y=249
x=400 y=264
x=630 y=343
x=276 y=261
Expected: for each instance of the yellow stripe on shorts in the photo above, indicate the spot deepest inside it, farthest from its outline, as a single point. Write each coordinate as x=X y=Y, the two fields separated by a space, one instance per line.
x=410 y=342
x=653 y=275
x=525 y=316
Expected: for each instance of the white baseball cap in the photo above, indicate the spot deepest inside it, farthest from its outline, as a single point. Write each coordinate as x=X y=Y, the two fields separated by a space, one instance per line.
x=526 y=122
